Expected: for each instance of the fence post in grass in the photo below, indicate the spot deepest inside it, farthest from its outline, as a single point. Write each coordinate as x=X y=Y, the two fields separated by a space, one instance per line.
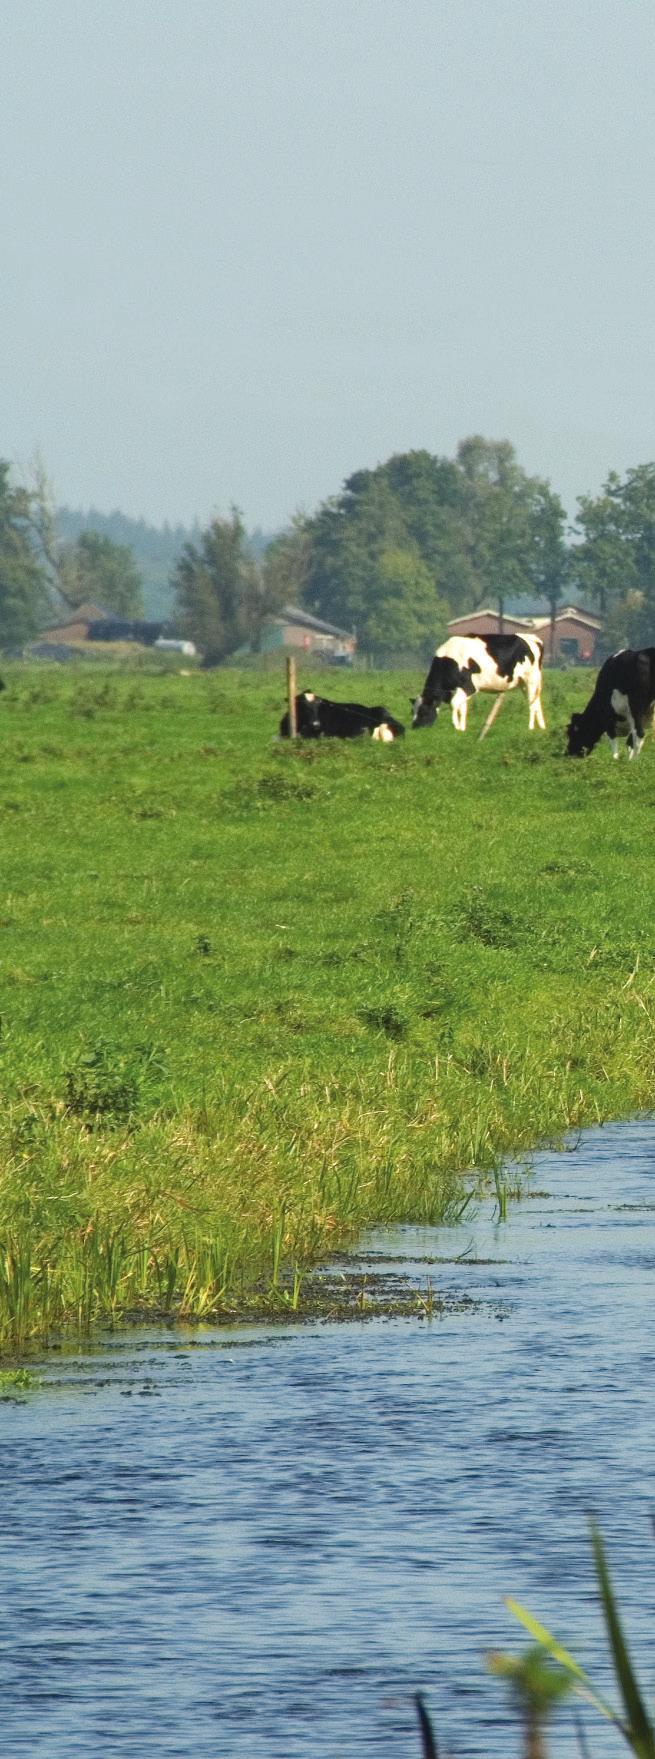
x=291 y=695
x=494 y=710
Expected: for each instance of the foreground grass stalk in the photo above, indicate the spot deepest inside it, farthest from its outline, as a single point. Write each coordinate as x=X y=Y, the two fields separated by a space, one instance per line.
x=634 y=1723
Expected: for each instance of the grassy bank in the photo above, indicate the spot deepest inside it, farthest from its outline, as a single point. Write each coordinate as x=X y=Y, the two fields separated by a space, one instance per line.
x=255 y=996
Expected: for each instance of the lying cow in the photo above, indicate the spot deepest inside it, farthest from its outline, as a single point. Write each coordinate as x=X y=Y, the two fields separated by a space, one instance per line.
x=468 y=663
x=317 y=718
x=621 y=706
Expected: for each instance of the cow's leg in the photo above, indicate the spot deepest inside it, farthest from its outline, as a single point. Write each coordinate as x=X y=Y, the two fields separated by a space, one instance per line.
x=536 y=714
x=612 y=731
x=636 y=736
x=459 y=706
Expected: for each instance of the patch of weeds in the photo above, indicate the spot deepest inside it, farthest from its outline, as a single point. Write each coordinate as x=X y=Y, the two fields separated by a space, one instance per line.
x=386 y=1017
x=272 y=789
x=17 y=1380
x=306 y=751
x=337 y=957
x=108 y=1083
x=283 y=787
x=567 y=869
x=480 y=918
x=406 y=923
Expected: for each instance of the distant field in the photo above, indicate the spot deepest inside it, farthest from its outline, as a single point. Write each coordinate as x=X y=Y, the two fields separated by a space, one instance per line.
x=255 y=996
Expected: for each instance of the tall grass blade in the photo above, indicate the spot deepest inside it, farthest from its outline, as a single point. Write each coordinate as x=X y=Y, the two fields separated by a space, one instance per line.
x=561 y=1655
x=638 y=1730
x=428 y=1743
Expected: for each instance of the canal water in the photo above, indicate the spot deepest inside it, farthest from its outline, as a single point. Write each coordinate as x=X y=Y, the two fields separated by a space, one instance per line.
x=263 y=1543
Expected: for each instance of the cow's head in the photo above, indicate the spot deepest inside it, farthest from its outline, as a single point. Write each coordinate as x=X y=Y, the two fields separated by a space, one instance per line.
x=443 y=679
x=580 y=737
x=424 y=711
x=578 y=743
x=308 y=714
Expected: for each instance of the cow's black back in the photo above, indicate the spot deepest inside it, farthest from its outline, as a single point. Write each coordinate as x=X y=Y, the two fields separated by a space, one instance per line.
x=319 y=718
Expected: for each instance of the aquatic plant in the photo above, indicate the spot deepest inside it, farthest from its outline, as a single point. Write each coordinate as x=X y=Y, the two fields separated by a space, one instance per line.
x=633 y=1722
x=547 y=1673
x=17 y=1380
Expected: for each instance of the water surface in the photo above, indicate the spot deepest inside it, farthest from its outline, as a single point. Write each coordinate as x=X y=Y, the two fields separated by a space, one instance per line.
x=263 y=1542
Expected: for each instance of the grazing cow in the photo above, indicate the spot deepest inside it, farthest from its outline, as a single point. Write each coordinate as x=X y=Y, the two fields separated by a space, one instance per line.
x=468 y=663
x=317 y=718
x=622 y=704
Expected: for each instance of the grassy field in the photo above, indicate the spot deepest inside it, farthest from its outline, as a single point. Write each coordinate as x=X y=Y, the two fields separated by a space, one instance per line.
x=255 y=996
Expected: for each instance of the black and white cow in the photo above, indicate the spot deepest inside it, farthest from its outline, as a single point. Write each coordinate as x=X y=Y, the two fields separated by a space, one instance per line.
x=621 y=706
x=318 y=718
x=468 y=663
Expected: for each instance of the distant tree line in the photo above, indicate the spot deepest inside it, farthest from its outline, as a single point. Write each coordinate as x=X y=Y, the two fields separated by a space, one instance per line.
x=397 y=553
x=421 y=539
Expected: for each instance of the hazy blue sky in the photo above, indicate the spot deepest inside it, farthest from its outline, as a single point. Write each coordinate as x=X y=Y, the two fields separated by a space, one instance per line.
x=252 y=245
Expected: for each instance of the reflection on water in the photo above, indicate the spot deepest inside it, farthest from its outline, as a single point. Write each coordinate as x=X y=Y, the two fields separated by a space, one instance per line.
x=228 y=1544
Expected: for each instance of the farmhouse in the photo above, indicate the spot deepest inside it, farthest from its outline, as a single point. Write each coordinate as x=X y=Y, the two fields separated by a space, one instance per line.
x=577 y=632
x=90 y=631
x=292 y=628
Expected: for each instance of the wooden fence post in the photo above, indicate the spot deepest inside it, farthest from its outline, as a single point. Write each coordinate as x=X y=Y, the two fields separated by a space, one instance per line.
x=291 y=695
x=495 y=710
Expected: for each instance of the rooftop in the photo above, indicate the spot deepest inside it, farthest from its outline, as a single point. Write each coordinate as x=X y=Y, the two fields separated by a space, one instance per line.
x=307 y=620
x=534 y=616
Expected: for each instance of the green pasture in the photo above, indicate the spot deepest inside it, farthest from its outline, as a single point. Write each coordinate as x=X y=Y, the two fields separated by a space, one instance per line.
x=256 y=995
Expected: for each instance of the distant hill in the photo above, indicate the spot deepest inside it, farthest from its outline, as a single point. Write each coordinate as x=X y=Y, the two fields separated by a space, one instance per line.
x=155 y=548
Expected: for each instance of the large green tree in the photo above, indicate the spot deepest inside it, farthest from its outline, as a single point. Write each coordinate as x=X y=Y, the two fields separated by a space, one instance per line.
x=422 y=538
x=96 y=569
x=615 y=560
x=498 y=502
x=405 y=615
x=548 y=561
x=23 y=588
x=433 y=499
x=285 y=565
x=365 y=570
x=218 y=590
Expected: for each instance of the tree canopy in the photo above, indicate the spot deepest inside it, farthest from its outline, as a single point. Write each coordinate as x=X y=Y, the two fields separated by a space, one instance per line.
x=420 y=539
x=23 y=589
x=615 y=560
x=218 y=589
x=96 y=569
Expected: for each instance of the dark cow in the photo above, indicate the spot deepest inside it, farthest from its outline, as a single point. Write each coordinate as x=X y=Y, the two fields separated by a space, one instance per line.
x=469 y=663
x=317 y=718
x=622 y=704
